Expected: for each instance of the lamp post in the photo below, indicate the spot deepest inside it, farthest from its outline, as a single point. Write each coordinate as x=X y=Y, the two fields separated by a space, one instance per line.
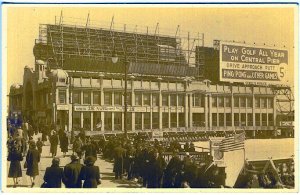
x=125 y=63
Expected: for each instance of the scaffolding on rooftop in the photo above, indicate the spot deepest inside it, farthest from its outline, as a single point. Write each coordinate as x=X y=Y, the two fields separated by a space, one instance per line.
x=67 y=40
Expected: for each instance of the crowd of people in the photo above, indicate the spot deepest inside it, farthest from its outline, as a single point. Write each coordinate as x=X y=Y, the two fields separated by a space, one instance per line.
x=135 y=158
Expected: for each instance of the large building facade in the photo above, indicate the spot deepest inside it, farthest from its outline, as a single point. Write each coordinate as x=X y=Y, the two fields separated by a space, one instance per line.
x=71 y=91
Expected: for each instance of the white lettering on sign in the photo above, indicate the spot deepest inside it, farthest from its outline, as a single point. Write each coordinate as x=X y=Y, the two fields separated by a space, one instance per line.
x=109 y=108
x=252 y=64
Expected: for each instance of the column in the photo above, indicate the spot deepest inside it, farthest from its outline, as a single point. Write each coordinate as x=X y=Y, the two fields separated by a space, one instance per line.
x=92 y=121
x=123 y=118
x=186 y=110
x=169 y=110
x=160 y=108
x=70 y=117
x=70 y=95
x=81 y=119
x=253 y=107
x=232 y=109
x=177 y=115
x=209 y=112
x=190 y=111
x=274 y=111
x=102 y=102
x=151 y=107
x=267 y=100
x=217 y=108
x=92 y=113
x=112 y=121
x=206 y=111
x=132 y=104
x=142 y=120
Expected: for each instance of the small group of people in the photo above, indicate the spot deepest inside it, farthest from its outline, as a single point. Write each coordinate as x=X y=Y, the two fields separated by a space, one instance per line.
x=31 y=163
x=72 y=174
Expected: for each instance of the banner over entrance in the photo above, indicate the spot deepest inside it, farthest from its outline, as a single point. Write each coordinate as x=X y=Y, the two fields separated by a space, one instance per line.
x=252 y=64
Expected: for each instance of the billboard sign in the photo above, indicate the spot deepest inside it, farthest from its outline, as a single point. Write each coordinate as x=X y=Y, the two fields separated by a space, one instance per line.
x=252 y=64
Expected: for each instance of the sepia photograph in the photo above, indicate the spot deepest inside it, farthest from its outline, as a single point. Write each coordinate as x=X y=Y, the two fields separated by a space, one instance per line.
x=149 y=98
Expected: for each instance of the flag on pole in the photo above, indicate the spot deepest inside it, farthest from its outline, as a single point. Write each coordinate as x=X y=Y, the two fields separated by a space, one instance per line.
x=235 y=142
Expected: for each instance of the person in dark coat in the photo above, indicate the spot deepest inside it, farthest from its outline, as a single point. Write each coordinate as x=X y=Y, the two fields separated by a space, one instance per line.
x=54 y=175
x=89 y=148
x=53 y=144
x=189 y=170
x=39 y=145
x=71 y=172
x=64 y=143
x=118 y=161
x=90 y=173
x=15 y=171
x=156 y=167
x=77 y=146
x=32 y=161
x=173 y=168
x=44 y=133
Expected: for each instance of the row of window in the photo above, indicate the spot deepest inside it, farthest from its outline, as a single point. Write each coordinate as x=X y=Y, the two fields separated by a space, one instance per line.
x=198 y=120
x=242 y=119
x=167 y=99
x=116 y=98
x=243 y=102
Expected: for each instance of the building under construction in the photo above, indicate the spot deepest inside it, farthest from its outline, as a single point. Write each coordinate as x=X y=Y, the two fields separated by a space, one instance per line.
x=172 y=84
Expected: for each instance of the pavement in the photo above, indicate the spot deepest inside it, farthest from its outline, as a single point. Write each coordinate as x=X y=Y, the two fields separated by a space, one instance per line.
x=106 y=169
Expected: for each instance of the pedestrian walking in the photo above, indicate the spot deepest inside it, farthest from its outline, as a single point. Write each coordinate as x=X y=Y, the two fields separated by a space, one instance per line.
x=77 y=146
x=72 y=173
x=53 y=144
x=89 y=148
x=90 y=173
x=53 y=175
x=64 y=143
x=39 y=145
x=32 y=162
x=156 y=167
x=118 y=161
x=15 y=171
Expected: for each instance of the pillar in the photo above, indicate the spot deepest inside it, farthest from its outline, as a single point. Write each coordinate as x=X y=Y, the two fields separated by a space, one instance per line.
x=169 y=110
x=102 y=102
x=160 y=108
x=253 y=107
x=209 y=112
x=132 y=104
x=186 y=110
x=151 y=107
x=190 y=110
x=177 y=115
x=206 y=111
x=81 y=119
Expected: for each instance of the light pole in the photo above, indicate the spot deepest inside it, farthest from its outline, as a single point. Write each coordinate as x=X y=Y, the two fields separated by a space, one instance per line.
x=125 y=63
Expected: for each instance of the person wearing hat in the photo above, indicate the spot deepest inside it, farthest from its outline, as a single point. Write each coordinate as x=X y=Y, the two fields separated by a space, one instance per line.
x=32 y=162
x=156 y=167
x=53 y=144
x=90 y=173
x=173 y=168
x=189 y=171
x=71 y=172
x=53 y=175
x=15 y=156
x=64 y=143
x=89 y=148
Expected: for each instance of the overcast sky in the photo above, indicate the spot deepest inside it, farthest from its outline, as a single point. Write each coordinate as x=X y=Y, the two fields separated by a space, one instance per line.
x=270 y=25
